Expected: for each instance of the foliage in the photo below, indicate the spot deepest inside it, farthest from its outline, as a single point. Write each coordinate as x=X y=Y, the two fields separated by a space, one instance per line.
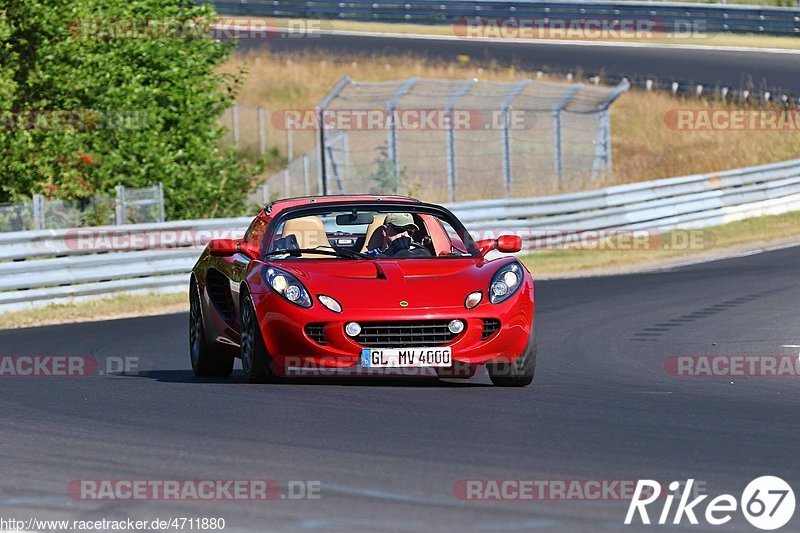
x=96 y=93
x=385 y=180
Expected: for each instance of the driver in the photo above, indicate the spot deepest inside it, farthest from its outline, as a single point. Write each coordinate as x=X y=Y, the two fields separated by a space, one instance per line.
x=398 y=230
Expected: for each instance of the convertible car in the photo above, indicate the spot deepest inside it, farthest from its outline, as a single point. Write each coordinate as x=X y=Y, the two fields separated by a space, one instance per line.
x=338 y=285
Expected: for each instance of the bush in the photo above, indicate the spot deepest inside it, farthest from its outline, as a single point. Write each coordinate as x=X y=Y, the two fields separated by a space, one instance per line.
x=82 y=110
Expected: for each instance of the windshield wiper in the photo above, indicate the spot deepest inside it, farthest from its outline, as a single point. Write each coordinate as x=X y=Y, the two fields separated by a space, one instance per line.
x=325 y=250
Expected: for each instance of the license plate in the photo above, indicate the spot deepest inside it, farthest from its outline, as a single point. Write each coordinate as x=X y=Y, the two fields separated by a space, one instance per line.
x=406 y=357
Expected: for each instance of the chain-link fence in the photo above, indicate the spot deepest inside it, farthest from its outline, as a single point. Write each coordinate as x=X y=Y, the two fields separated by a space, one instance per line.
x=461 y=140
x=448 y=140
x=127 y=206
x=303 y=176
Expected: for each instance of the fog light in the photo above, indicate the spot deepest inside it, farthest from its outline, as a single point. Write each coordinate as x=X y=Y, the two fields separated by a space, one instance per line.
x=352 y=329
x=455 y=326
x=473 y=299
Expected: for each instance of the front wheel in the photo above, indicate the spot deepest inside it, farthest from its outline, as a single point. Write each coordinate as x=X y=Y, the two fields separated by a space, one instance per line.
x=256 y=362
x=206 y=361
x=520 y=372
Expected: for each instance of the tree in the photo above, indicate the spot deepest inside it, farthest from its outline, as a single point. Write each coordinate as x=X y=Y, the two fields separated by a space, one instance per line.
x=96 y=93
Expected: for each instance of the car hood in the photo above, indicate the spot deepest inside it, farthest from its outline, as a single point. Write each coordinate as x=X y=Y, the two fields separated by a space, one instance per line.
x=384 y=283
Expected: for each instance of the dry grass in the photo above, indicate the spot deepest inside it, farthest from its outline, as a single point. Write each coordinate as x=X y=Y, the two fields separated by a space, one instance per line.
x=121 y=306
x=644 y=147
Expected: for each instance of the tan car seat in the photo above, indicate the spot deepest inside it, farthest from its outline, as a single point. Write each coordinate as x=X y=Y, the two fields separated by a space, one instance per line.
x=373 y=237
x=309 y=232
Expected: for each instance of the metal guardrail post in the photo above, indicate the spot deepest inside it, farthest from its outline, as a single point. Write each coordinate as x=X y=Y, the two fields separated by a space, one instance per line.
x=451 y=141
x=121 y=208
x=505 y=110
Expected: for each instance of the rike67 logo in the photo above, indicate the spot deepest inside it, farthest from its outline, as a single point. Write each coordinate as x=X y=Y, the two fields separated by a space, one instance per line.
x=767 y=503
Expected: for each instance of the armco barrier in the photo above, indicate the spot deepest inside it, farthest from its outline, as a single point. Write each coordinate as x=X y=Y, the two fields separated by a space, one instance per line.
x=712 y=18
x=41 y=267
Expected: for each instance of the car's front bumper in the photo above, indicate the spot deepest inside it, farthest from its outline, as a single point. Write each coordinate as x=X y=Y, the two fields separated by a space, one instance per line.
x=288 y=344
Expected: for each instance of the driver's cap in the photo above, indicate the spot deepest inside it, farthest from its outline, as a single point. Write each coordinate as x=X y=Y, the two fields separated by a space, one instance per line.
x=401 y=220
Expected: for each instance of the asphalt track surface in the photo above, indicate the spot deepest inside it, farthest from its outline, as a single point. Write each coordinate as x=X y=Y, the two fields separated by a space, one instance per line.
x=732 y=68
x=388 y=453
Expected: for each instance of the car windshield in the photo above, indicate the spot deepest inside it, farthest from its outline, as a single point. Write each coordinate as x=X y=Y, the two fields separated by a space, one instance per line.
x=368 y=233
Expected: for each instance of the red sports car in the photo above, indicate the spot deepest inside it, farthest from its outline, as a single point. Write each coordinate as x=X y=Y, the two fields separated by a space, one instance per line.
x=341 y=285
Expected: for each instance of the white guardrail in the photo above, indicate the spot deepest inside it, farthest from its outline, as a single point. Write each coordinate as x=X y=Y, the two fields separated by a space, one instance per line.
x=42 y=267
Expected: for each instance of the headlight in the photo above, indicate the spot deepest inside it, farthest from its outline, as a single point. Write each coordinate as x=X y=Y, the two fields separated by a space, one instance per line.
x=330 y=303
x=505 y=283
x=287 y=286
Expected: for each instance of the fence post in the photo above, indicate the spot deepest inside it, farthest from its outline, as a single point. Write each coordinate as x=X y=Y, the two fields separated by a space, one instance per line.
x=603 y=151
x=333 y=93
x=602 y=157
x=262 y=130
x=558 y=154
x=120 y=207
x=289 y=144
x=306 y=183
x=506 y=133
x=286 y=183
x=391 y=106
x=38 y=212
x=235 y=124
x=161 y=211
x=451 y=138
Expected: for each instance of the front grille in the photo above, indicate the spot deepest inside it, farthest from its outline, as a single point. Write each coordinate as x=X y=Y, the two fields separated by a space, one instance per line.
x=405 y=334
x=490 y=327
x=316 y=333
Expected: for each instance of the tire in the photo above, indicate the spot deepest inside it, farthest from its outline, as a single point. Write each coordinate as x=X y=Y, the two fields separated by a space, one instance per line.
x=206 y=360
x=520 y=372
x=256 y=363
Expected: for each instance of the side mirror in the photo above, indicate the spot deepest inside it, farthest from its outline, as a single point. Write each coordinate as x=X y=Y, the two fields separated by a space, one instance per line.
x=508 y=244
x=229 y=247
